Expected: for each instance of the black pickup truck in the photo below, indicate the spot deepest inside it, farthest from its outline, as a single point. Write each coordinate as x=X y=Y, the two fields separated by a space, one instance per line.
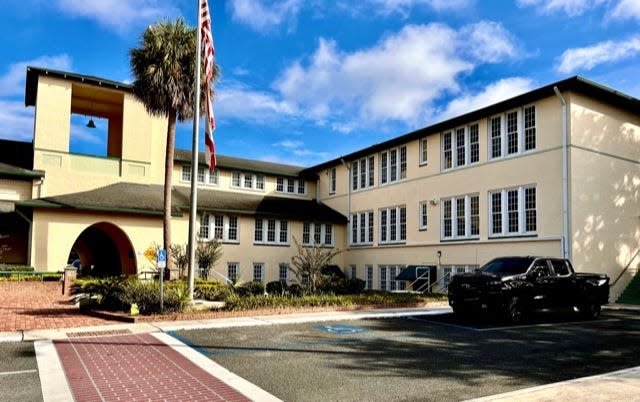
x=516 y=286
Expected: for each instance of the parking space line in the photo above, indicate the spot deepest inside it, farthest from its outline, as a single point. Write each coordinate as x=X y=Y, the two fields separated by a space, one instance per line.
x=548 y=324
x=18 y=372
x=444 y=324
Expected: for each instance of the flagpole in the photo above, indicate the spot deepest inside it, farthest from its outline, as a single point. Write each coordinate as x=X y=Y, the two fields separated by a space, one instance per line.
x=194 y=159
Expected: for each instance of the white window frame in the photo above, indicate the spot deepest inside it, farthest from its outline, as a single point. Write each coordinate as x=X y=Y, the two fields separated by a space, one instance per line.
x=258 y=267
x=261 y=227
x=460 y=150
x=368 y=277
x=283 y=268
x=233 y=271
x=309 y=230
x=451 y=205
x=209 y=227
x=332 y=180
x=392 y=226
x=353 y=271
x=423 y=156
x=246 y=180
x=209 y=179
x=525 y=130
x=423 y=219
x=362 y=173
x=522 y=208
x=387 y=281
x=394 y=171
x=289 y=185
x=362 y=223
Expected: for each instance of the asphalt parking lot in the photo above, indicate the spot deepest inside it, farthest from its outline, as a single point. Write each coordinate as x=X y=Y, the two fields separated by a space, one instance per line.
x=19 y=380
x=420 y=358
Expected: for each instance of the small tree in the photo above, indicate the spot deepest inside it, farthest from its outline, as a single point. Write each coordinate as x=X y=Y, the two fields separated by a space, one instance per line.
x=308 y=264
x=180 y=255
x=208 y=252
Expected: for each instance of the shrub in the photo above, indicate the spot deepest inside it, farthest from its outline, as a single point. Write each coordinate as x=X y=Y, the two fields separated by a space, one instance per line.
x=106 y=290
x=147 y=295
x=277 y=288
x=345 y=286
x=250 y=288
x=295 y=290
x=16 y=267
x=211 y=290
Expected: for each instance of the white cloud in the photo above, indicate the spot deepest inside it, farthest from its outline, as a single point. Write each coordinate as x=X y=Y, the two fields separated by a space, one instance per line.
x=404 y=6
x=604 y=52
x=296 y=148
x=570 y=7
x=397 y=79
x=17 y=121
x=118 y=15
x=492 y=93
x=12 y=82
x=238 y=102
x=626 y=9
x=264 y=15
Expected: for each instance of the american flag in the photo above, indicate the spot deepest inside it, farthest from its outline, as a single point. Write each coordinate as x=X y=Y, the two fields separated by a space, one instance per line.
x=207 y=39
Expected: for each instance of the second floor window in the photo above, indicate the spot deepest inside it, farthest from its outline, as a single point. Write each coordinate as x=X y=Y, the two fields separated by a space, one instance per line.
x=460 y=217
x=361 y=228
x=423 y=151
x=422 y=215
x=513 y=212
x=271 y=231
x=332 y=181
x=393 y=225
x=317 y=234
x=221 y=227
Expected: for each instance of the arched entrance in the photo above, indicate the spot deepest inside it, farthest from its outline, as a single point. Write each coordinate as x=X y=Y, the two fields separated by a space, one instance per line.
x=104 y=250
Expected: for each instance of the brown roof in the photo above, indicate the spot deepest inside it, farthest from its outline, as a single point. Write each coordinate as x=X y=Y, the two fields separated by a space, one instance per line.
x=145 y=199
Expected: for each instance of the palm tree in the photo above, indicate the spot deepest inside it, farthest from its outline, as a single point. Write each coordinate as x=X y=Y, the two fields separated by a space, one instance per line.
x=164 y=68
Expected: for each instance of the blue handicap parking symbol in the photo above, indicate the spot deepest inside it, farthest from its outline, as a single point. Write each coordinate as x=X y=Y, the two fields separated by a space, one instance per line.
x=162 y=255
x=340 y=329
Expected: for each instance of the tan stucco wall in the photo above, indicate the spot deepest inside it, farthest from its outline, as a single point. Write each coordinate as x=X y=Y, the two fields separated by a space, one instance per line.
x=142 y=143
x=15 y=190
x=605 y=188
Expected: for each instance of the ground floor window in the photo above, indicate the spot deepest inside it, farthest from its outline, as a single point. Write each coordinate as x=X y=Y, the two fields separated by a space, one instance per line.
x=447 y=271
x=368 y=277
x=232 y=271
x=388 y=280
x=258 y=272
x=283 y=272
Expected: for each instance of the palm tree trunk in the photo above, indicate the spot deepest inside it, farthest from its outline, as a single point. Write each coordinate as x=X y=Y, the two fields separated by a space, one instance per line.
x=168 y=174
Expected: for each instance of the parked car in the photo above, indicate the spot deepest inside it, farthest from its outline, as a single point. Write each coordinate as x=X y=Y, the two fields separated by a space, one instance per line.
x=517 y=286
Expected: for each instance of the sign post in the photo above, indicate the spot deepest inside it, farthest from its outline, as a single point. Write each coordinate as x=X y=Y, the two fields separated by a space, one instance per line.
x=162 y=264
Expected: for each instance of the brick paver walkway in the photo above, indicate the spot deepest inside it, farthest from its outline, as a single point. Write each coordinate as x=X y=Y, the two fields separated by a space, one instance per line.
x=39 y=305
x=136 y=368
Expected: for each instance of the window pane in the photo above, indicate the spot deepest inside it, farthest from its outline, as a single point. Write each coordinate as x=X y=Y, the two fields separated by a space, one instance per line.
x=446 y=151
x=403 y=223
x=370 y=231
x=363 y=228
x=530 y=128
x=447 y=224
x=354 y=176
x=248 y=183
x=354 y=229
x=186 y=173
x=393 y=165
x=363 y=173
x=371 y=159
x=475 y=215
x=460 y=217
x=258 y=270
x=530 y=209
x=233 y=228
x=218 y=226
x=383 y=225
x=496 y=213
x=317 y=233
x=290 y=186
x=332 y=181
x=496 y=138
x=301 y=187
x=235 y=179
x=280 y=184
x=423 y=215
x=460 y=147
x=257 y=233
x=284 y=232
x=260 y=182
x=383 y=168
x=403 y=162
x=512 y=132
x=306 y=233
x=328 y=234
x=204 y=226
x=474 y=147
x=201 y=175
x=423 y=150
x=512 y=211
x=392 y=224
x=271 y=230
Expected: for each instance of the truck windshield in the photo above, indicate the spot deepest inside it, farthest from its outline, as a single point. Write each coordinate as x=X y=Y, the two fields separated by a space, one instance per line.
x=507 y=265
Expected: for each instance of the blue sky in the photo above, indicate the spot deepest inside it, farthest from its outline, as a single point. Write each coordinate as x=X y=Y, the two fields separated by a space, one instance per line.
x=305 y=81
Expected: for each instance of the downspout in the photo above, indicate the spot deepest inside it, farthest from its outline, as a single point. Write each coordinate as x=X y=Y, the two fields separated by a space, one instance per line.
x=566 y=253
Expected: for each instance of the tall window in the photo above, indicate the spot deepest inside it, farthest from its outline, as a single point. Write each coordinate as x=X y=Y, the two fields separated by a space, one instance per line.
x=332 y=181
x=422 y=215
x=513 y=132
x=368 y=277
x=382 y=276
x=271 y=231
x=387 y=277
x=362 y=173
x=460 y=217
x=393 y=225
x=204 y=175
x=283 y=272
x=258 y=271
x=353 y=271
x=232 y=271
x=423 y=151
x=393 y=165
x=361 y=228
x=247 y=180
x=317 y=233
x=222 y=227
x=291 y=185
x=460 y=147
x=513 y=212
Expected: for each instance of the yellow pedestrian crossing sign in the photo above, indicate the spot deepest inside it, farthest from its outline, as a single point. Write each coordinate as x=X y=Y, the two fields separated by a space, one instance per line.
x=150 y=253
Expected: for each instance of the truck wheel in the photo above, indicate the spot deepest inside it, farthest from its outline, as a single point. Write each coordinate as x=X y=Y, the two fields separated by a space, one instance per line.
x=590 y=311
x=515 y=311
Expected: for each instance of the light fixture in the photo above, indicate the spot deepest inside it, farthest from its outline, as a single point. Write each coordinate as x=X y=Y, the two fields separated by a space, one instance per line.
x=433 y=201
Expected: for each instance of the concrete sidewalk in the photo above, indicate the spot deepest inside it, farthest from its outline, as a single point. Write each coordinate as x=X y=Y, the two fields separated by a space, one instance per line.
x=615 y=386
